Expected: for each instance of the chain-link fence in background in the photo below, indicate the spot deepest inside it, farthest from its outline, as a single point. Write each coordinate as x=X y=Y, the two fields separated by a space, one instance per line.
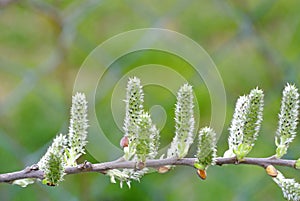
x=44 y=43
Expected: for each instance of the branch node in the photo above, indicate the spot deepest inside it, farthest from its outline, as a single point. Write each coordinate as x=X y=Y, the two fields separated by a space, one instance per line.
x=140 y=165
x=31 y=168
x=34 y=167
x=272 y=157
x=85 y=166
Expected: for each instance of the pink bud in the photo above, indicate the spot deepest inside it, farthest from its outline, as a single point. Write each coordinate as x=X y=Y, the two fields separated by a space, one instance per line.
x=124 y=142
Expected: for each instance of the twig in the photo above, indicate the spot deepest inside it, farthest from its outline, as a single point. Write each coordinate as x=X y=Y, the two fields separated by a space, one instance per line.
x=34 y=172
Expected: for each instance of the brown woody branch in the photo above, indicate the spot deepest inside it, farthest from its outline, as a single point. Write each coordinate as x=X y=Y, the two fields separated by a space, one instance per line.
x=34 y=172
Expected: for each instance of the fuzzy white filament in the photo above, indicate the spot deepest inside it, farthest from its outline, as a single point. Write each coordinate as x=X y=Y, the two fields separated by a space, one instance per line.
x=147 y=140
x=246 y=123
x=237 y=125
x=288 y=119
x=133 y=109
x=142 y=134
x=289 y=187
x=206 y=152
x=254 y=116
x=52 y=163
x=77 y=129
x=184 y=123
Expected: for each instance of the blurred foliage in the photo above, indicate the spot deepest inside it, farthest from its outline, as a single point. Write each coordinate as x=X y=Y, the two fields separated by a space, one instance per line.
x=43 y=44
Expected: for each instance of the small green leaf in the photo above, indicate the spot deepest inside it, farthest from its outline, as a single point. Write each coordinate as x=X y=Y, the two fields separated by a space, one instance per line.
x=44 y=181
x=297 y=165
x=199 y=166
x=242 y=151
x=281 y=150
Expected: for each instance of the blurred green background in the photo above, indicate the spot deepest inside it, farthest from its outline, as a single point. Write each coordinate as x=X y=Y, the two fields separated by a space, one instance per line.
x=43 y=44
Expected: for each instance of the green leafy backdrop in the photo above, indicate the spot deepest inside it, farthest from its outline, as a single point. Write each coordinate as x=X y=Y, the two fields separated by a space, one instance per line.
x=43 y=44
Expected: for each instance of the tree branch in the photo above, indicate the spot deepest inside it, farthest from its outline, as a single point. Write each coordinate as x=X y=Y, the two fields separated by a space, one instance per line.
x=34 y=172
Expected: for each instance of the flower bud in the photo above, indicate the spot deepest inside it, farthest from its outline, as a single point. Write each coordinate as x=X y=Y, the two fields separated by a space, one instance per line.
x=201 y=174
x=124 y=142
x=163 y=169
x=271 y=170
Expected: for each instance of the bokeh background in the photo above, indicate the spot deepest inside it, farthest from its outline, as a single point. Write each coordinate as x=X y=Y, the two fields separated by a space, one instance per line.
x=43 y=44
